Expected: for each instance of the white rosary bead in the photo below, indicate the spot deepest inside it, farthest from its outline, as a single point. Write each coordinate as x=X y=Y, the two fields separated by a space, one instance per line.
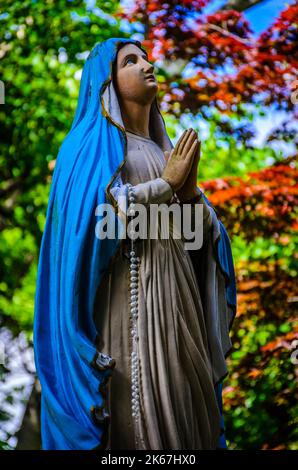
x=133 y=265
x=134 y=304
x=134 y=272
x=133 y=291
x=133 y=287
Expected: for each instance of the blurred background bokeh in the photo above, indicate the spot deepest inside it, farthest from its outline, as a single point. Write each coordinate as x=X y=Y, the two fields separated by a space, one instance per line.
x=229 y=69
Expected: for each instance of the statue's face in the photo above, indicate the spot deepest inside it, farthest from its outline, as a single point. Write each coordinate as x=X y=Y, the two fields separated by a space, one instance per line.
x=133 y=70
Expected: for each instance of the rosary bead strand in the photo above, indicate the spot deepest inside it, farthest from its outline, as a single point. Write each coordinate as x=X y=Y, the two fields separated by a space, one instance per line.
x=134 y=272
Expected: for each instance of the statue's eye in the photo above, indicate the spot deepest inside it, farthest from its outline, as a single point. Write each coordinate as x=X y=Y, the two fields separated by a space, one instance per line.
x=127 y=60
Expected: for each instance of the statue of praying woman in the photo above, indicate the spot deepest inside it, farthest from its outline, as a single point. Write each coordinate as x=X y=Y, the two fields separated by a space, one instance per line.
x=130 y=335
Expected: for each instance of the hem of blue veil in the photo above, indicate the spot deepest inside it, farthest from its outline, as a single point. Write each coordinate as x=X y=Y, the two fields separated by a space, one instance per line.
x=222 y=444
x=229 y=279
x=230 y=282
x=105 y=364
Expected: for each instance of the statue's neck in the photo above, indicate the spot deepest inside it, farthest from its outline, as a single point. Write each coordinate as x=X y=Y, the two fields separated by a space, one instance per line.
x=136 y=117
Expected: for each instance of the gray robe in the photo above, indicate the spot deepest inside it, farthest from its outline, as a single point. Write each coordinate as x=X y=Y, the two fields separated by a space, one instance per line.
x=181 y=342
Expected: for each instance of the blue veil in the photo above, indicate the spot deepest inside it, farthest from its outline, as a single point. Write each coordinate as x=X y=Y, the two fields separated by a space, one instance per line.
x=72 y=261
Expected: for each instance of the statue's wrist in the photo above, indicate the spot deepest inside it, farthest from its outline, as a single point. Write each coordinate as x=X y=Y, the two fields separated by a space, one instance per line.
x=165 y=178
x=190 y=197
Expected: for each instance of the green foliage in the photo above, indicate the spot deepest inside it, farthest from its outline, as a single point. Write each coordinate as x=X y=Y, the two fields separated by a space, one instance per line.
x=263 y=249
x=261 y=412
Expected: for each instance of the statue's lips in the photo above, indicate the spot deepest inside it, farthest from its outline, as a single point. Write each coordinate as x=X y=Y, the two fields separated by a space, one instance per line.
x=150 y=77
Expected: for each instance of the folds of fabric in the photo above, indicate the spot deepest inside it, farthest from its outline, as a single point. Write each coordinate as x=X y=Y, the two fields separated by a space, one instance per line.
x=72 y=261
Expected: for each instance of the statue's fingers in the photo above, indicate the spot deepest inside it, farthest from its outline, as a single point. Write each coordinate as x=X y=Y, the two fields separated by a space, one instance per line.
x=167 y=155
x=183 y=139
x=191 y=154
x=191 y=138
x=198 y=152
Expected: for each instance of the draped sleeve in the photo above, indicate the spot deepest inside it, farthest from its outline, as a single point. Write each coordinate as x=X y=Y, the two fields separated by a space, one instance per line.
x=153 y=191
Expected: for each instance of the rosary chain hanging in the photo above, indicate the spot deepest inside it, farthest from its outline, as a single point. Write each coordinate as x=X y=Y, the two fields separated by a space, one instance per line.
x=134 y=272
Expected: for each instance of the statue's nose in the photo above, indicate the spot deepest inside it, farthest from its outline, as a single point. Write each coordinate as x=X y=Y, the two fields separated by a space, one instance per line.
x=149 y=69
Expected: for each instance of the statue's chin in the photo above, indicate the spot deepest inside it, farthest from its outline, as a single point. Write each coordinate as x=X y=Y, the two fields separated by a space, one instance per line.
x=150 y=91
x=150 y=82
